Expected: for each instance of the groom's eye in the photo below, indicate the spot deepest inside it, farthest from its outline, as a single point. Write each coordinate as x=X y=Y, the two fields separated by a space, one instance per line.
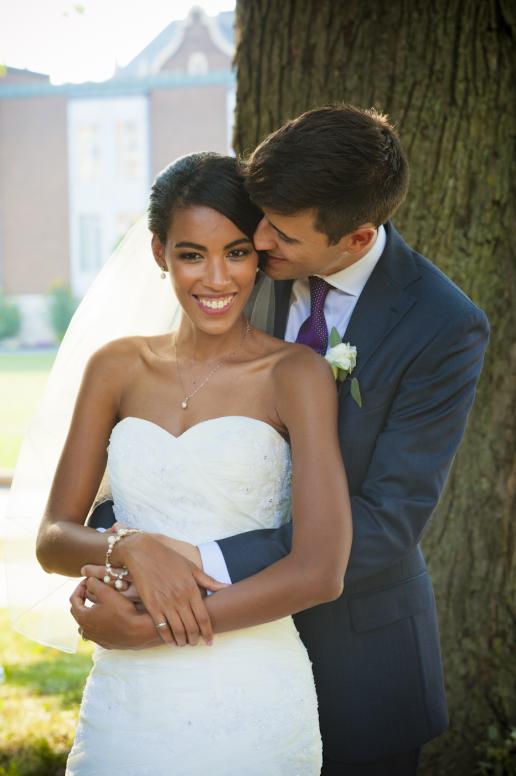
x=285 y=239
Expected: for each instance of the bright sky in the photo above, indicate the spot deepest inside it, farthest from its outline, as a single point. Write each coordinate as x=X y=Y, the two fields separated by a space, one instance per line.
x=82 y=41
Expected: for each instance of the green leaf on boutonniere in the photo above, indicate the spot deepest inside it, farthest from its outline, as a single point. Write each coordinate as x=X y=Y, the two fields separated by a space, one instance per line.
x=335 y=338
x=355 y=391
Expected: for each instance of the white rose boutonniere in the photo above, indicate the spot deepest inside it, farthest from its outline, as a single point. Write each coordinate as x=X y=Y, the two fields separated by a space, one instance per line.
x=342 y=357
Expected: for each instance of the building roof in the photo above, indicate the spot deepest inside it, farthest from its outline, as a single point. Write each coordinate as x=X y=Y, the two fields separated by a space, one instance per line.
x=20 y=74
x=149 y=60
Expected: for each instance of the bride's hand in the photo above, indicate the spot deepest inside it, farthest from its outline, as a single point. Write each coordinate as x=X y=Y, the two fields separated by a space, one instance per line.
x=99 y=572
x=168 y=584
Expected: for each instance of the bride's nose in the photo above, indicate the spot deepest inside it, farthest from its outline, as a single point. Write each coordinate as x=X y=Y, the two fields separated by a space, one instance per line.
x=217 y=276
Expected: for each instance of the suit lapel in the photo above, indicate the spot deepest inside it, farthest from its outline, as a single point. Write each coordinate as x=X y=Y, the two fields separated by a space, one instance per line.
x=385 y=299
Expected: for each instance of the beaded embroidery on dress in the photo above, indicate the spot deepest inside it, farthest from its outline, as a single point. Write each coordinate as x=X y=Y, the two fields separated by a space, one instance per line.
x=248 y=703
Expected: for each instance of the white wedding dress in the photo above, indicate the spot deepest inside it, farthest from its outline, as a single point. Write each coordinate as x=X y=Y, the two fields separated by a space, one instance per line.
x=244 y=706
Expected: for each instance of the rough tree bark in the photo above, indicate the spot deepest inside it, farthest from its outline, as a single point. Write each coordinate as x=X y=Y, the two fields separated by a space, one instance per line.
x=444 y=72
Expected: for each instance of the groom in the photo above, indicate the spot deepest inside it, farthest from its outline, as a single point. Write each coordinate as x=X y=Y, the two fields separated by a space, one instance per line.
x=328 y=183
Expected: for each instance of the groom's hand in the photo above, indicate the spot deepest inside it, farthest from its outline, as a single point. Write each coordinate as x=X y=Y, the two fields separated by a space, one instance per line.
x=113 y=622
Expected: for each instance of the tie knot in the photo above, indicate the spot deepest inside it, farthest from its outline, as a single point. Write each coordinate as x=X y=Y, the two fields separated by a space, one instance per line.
x=318 y=292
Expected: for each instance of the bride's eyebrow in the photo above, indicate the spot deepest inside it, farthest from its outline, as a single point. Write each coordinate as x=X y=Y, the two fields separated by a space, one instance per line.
x=237 y=242
x=197 y=247
x=185 y=244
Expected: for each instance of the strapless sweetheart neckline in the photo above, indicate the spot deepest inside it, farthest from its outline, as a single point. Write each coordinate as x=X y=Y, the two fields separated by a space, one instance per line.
x=261 y=423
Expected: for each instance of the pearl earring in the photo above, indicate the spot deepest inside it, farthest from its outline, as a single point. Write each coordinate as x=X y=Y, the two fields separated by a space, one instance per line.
x=163 y=275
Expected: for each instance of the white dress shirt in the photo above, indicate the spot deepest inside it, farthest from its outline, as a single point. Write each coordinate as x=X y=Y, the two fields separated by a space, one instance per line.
x=347 y=285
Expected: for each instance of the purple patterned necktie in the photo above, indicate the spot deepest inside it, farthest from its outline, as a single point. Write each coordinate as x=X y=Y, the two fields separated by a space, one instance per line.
x=314 y=331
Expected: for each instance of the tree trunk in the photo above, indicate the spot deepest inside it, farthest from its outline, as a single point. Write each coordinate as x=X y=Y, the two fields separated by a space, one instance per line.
x=443 y=71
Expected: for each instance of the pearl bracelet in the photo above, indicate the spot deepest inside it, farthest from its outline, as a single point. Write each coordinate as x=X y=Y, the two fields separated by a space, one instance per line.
x=112 y=540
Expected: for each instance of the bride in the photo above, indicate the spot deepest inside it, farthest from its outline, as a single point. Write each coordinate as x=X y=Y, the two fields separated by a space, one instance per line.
x=206 y=431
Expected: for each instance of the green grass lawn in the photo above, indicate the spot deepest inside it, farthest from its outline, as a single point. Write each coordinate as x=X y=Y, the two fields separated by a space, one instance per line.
x=39 y=702
x=22 y=380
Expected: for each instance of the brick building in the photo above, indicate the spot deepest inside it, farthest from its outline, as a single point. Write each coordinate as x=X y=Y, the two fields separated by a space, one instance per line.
x=77 y=160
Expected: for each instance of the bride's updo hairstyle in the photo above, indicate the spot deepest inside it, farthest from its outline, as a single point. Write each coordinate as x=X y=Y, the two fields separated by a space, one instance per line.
x=206 y=180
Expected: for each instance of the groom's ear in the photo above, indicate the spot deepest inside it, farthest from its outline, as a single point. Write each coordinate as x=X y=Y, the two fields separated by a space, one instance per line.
x=158 y=251
x=359 y=240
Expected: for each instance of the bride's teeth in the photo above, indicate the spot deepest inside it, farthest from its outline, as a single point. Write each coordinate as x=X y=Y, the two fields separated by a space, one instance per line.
x=216 y=304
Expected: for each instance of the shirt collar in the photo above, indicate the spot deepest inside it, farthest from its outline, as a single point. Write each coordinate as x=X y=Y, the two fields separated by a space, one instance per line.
x=351 y=280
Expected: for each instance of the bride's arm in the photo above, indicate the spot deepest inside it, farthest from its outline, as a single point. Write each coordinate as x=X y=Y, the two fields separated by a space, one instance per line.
x=64 y=544
x=313 y=572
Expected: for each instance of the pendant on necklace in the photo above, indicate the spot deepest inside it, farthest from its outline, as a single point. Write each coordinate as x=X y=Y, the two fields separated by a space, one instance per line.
x=184 y=404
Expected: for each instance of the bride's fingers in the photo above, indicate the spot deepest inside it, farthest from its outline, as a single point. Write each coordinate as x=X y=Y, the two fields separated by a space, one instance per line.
x=165 y=634
x=190 y=625
x=91 y=570
x=203 y=618
x=209 y=583
x=131 y=593
x=177 y=627
x=99 y=572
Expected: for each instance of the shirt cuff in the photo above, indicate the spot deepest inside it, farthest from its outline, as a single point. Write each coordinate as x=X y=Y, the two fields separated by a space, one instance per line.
x=213 y=562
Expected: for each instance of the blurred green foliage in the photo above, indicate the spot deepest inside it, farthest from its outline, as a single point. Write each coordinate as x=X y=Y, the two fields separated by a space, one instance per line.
x=62 y=305
x=10 y=319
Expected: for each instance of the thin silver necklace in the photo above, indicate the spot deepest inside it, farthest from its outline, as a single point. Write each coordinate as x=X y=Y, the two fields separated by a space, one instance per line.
x=187 y=397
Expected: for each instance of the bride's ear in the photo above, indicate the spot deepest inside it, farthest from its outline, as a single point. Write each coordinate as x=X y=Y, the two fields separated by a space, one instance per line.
x=158 y=251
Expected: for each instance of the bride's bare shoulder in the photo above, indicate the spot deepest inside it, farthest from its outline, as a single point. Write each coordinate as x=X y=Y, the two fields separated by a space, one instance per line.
x=118 y=356
x=297 y=364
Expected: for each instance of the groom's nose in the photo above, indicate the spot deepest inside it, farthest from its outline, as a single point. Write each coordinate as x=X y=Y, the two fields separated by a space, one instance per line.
x=264 y=238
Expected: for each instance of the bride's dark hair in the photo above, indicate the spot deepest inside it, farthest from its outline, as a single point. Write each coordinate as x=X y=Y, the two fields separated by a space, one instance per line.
x=203 y=179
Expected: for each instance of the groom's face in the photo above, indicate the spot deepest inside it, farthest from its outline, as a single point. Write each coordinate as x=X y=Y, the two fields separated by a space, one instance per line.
x=293 y=248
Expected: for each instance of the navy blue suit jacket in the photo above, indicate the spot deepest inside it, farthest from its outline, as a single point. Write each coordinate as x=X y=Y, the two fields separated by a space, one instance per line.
x=375 y=651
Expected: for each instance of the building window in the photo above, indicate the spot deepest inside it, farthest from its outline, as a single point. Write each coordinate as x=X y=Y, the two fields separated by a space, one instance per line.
x=89 y=152
x=197 y=63
x=90 y=244
x=128 y=150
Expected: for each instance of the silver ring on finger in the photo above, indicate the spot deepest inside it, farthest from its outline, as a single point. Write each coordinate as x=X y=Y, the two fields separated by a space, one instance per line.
x=162 y=624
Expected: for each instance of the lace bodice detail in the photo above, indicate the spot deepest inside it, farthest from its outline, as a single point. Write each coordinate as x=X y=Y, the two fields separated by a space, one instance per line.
x=222 y=476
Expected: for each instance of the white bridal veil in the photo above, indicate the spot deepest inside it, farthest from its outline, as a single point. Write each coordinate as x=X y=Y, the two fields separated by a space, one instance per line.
x=128 y=297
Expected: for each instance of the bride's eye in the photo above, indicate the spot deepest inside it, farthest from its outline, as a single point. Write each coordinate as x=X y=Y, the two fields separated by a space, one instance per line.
x=190 y=256
x=239 y=253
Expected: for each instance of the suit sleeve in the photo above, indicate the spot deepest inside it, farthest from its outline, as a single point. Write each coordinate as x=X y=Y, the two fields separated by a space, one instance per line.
x=410 y=463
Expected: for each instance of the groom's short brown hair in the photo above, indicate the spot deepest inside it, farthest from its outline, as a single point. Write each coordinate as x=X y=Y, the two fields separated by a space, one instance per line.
x=347 y=163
